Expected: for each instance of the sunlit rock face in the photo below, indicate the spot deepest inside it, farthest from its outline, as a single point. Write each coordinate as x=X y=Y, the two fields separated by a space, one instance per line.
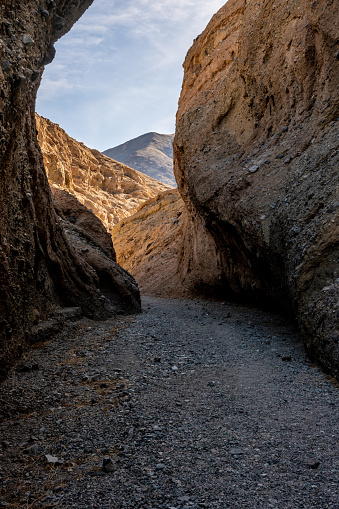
x=168 y=250
x=40 y=270
x=256 y=156
x=110 y=189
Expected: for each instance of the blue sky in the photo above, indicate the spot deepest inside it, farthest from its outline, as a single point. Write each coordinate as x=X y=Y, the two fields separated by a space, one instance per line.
x=118 y=72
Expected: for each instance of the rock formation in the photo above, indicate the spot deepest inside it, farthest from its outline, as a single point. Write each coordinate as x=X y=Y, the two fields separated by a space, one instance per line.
x=39 y=269
x=151 y=153
x=89 y=238
x=256 y=160
x=110 y=189
x=256 y=156
x=168 y=250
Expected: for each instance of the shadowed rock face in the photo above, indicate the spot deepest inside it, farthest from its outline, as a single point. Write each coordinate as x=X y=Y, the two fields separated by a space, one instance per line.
x=168 y=250
x=256 y=155
x=93 y=244
x=40 y=270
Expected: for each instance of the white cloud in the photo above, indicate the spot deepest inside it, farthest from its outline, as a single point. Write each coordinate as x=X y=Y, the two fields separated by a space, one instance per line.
x=146 y=17
x=121 y=65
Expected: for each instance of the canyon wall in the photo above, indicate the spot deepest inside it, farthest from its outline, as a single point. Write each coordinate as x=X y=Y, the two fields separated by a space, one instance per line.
x=39 y=268
x=168 y=250
x=111 y=190
x=256 y=156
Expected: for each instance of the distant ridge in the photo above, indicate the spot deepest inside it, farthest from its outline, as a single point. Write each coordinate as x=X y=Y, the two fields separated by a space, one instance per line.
x=110 y=189
x=150 y=153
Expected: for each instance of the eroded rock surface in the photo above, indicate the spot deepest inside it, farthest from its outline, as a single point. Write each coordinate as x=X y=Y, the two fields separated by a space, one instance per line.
x=256 y=155
x=168 y=250
x=110 y=189
x=90 y=239
x=40 y=270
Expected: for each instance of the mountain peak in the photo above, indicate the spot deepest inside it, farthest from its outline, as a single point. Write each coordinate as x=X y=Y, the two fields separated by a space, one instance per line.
x=151 y=153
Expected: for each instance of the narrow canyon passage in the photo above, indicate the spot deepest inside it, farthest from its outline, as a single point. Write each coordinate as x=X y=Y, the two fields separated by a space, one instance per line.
x=191 y=404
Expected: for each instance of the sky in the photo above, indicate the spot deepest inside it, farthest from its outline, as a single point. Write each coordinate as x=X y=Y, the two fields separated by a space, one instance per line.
x=118 y=73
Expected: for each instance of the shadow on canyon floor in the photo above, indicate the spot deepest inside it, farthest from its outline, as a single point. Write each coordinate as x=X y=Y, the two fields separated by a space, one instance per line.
x=191 y=404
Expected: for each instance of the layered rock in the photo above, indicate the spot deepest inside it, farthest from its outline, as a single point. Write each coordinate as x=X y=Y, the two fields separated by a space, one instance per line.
x=40 y=270
x=151 y=153
x=90 y=239
x=168 y=250
x=110 y=189
x=256 y=155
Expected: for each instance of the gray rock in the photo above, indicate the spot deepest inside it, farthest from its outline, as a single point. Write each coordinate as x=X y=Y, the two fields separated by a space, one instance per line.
x=33 y=449
x=313 y=464
x=49 y=56
x=286 y=358
x=27 y=40
x=53 y=460
x=160 y=466
x=184 y=499
x=58 y=23
x=5 y=65
x=199 y=443
x=236 y=452
x=108 y=466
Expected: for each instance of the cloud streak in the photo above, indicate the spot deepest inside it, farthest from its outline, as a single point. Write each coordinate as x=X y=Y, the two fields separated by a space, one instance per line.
x=118 y=73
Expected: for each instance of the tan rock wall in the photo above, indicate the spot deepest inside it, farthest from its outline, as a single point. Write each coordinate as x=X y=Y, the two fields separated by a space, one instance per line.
x=168 y=250
x=110 y=189
x=256 y=155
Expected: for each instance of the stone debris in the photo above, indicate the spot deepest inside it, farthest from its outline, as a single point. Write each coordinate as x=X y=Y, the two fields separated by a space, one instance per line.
x=228 y=432
x=53 y=460
x=236 y=452
x=108 y=466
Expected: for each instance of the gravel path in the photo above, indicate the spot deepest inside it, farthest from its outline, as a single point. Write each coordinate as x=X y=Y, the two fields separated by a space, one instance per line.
x=191 y=404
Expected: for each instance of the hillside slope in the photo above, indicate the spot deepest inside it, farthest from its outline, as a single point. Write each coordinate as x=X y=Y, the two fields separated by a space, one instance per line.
x=39 y=268
x=110 y=189
x=151 y=153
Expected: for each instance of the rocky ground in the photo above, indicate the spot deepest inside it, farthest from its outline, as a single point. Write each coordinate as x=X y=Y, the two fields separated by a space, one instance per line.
x=191 y=404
